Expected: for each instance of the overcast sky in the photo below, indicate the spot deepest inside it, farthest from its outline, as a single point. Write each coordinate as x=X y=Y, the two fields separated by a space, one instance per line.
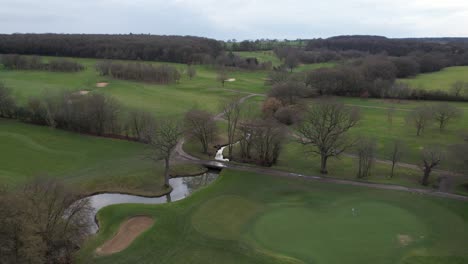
x=239 y=19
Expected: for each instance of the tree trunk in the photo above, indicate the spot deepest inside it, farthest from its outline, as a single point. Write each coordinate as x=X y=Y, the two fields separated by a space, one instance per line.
x=393 y=168
x=166 y=172
x=323 y=164
x=425 y=179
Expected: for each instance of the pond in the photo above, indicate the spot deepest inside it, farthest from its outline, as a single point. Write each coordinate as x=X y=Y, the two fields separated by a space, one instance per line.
x=181 y=188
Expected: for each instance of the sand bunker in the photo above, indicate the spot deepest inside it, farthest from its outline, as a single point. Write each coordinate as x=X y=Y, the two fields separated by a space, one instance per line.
x=404 y=239
x=101 y=84
x=83 y=92
x=230 y=80
x=128 y=231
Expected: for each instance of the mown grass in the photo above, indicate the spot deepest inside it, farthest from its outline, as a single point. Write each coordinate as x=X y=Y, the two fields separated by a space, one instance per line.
x=92 y=163
x=291 y=221
x=375 y=124
x=203 y=91
x=441 y=80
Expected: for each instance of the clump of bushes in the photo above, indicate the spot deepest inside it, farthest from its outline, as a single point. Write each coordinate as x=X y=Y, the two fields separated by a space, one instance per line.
x=162 y=74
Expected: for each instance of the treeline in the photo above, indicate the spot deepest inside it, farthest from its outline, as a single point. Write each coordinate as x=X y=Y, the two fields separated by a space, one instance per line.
x=371 y=76
x=232 y=60
x=93 y=113
x=317 y=55
x=162 y=74
x=262 y=44
x=20 y=62
x=180 y=49
x=375 y=76
x=377 y=45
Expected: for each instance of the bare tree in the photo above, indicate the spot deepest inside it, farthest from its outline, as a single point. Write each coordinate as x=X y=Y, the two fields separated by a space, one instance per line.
x=232 y=111
x=431 y=157
x=270 y=106
x=7 y=104
x=46 y=223
x=288 y=92
x=398 y=148
x=292 y=60
x=222 y=75
x=191 y=71
x=140 y=123
x=261 y=141
x=162 y=141
x=324 y=126
x=419 y=118
x=445 y=112
x=457 y=88
x=366 y=156
x=201 y=125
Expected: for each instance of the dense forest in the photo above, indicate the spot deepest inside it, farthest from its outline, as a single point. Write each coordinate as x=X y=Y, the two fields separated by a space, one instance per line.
x=181 y=49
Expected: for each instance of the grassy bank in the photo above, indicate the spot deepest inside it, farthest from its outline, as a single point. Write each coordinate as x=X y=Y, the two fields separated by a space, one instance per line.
x=92 y=163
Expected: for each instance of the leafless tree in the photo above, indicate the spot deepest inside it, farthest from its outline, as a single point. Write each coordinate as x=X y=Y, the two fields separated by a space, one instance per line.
x=140 y=123
x=431 y=157
x=162 y=142
x=201 y=125
x=445 y=112
x=232 y=111
x=457 y=88
x=191 y=71
x=7 y=103
x=291 y=60
x=324 y=127
x=46 y=223
x=397 y=151
x=419 y=118
x=366 y=156
x=261 y=141
x=270 y=106
x=222 y=75
x=288 y=92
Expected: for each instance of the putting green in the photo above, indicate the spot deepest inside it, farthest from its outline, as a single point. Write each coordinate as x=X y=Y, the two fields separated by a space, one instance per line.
x=224 y=217
x=376 y=232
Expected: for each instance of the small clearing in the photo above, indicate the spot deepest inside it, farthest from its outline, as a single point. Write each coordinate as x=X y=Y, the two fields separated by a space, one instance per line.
x=404 y=240
x=128 y=231
x=101 y=84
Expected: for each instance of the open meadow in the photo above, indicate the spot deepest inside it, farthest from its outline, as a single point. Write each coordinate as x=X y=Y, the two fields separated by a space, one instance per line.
x=441 y=80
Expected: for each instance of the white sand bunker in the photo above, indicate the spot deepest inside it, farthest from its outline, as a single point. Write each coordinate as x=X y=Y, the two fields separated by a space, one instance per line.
x=83 y=92
x=128 y=231
x=230 y=80
x=404 y=240
x=101 y=84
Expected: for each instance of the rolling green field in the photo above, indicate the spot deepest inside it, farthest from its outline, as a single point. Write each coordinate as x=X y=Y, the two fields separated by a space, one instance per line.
x=441 y=80
x=374 y=124
x=95 y=164
x=204 y=91
x=291 y=221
